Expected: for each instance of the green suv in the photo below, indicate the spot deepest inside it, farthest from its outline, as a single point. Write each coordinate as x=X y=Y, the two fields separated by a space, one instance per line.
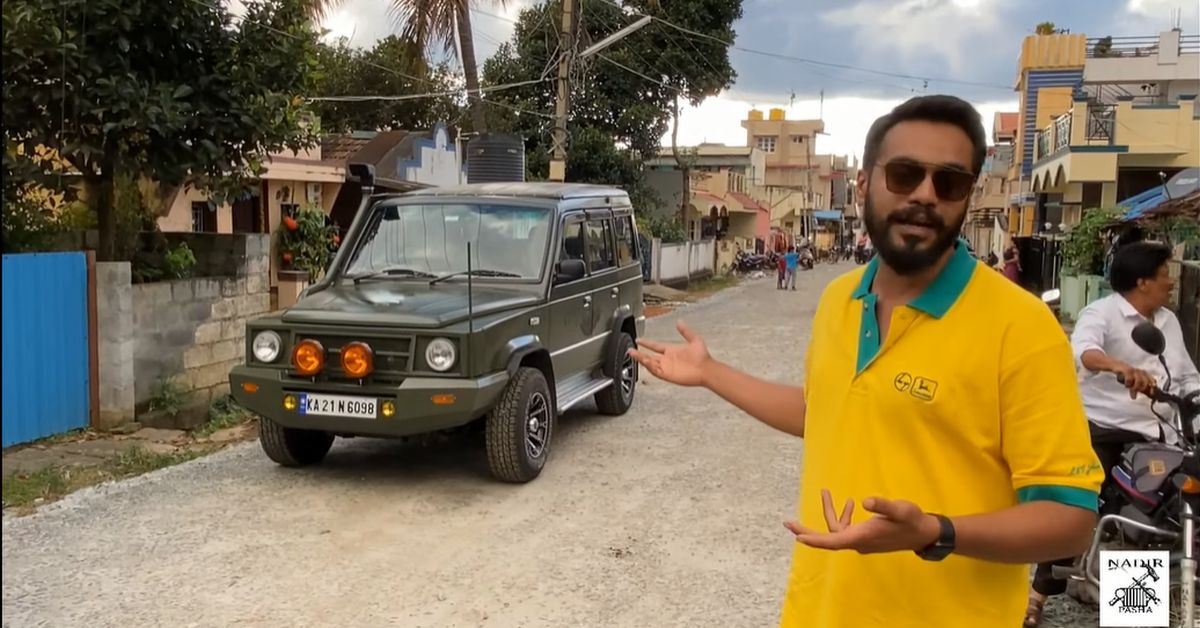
x=405 y=335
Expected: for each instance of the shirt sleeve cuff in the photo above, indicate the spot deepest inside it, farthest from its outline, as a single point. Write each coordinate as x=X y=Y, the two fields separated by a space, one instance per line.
x=1068 y=495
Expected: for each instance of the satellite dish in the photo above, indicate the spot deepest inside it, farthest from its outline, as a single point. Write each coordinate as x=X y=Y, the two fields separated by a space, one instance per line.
x=1186 y=182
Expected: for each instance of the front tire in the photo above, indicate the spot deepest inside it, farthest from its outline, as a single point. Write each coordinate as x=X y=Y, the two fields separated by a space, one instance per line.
x=616 y=399
x=292 y=447
x=519 y=428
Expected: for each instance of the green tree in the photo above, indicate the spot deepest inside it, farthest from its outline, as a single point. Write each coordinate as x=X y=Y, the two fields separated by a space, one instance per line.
x=1045 y=28
x=617 y=116
x=172 y=90
x=436 y=23
x=349 y=71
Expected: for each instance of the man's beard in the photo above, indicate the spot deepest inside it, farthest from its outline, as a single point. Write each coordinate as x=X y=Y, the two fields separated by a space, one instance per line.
x=906 y=258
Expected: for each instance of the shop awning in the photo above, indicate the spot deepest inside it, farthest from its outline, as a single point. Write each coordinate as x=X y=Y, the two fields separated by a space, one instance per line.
x=829 y=215
x=1139 y=204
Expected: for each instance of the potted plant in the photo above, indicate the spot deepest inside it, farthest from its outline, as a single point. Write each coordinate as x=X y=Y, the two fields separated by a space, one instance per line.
x=305 y=243
x=1083 y=259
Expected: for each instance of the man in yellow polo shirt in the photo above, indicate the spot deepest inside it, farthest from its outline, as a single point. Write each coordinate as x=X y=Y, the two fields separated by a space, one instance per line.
x=946 y=447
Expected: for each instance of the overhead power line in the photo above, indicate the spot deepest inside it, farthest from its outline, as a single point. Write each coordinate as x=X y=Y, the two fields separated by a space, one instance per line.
x=393 y=71
x=828 y=64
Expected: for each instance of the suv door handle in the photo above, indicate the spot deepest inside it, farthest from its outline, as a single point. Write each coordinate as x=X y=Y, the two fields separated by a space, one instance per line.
x=587 y=301
x=616 y=292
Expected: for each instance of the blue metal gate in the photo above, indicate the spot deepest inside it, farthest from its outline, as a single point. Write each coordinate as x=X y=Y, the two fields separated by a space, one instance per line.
x=46 y=374
x=646 y=248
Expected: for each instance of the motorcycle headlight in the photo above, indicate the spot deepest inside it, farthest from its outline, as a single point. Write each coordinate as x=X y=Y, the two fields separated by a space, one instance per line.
x=266 y=346
x=440 y=354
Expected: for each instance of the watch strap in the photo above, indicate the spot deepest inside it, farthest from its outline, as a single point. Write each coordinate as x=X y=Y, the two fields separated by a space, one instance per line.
x=943 y=546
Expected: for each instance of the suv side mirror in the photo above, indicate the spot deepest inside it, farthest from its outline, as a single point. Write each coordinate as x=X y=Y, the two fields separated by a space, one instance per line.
x=1149 y=338
x=569 y=270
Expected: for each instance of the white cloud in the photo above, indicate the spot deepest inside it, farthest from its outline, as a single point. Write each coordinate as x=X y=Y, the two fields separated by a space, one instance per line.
x=846 y=120
x=915 y=28
x=367 y=21
x=1161 y=12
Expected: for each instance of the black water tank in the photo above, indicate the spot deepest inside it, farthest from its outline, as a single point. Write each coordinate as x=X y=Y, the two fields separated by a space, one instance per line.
x=495 y=157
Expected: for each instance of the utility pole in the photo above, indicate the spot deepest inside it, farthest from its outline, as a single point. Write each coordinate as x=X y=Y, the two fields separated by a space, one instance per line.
x=570 y=18
x=808 y=140
x=558 y=157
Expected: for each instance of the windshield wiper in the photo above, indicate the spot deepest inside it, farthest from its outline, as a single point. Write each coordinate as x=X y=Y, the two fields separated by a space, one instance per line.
x=393 y=272
x=482 y=272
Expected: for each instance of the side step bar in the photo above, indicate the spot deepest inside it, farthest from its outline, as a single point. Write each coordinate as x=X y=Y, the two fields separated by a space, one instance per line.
x=573 y=395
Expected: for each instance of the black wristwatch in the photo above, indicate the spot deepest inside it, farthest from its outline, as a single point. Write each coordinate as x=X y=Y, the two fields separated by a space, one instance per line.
x=944 y=545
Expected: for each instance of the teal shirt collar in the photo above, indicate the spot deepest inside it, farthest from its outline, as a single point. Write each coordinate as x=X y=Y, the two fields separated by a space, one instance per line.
x=942 y=293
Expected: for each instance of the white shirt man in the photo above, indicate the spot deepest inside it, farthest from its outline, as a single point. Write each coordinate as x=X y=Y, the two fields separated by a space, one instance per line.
x=1106 y=325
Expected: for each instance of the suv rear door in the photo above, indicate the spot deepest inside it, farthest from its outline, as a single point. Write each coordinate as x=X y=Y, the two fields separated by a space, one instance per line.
x=602 y=264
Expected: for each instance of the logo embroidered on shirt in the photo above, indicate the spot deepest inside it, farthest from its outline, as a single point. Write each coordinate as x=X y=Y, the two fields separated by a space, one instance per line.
x=921 y=388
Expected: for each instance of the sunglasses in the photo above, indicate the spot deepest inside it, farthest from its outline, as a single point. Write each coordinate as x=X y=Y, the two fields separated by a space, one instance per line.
x=951 y=184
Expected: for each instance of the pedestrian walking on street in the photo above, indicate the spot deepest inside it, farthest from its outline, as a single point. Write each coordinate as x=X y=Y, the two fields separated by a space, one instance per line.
x=792 y=264
x=1012 y=264
x=781 y=263
x=952 y=429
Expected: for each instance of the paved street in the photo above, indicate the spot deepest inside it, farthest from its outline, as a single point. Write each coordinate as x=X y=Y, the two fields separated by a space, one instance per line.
x=668 y=516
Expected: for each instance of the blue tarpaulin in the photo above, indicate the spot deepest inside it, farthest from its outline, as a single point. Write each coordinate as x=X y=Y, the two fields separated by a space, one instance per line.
x=827 y=215
x=1139 y=204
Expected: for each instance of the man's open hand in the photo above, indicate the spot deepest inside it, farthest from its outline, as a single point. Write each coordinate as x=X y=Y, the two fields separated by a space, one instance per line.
x=897 y=526
x=681 y=364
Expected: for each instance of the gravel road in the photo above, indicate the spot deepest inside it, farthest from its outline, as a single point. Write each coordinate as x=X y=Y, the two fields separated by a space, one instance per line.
x=668 y=516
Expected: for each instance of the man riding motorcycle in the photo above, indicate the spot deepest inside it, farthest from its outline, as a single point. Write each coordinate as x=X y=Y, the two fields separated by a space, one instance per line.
x=1120 y=414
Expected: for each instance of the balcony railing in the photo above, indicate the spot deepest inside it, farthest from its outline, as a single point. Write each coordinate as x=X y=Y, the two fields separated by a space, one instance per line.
x=1062 y=131
x=1140 y=46
x=1100 y=128
x=1189 y=44
x=1101 y=123
x=1054 y=138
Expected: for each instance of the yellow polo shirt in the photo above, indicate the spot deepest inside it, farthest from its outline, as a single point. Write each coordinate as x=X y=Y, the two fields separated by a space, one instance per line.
x=969 y=406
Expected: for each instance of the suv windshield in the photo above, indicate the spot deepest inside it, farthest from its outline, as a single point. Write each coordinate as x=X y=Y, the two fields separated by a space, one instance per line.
x=432 y=238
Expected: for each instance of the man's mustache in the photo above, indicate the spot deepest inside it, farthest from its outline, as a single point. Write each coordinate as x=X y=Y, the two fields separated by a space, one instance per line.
x=921 y=215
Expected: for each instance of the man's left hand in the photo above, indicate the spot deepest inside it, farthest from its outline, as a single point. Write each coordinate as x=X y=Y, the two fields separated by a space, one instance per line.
x=897 y=526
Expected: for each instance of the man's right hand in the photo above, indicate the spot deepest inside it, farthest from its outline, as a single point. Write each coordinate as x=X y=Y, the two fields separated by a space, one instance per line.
x=1136 y=380
x=682 y=364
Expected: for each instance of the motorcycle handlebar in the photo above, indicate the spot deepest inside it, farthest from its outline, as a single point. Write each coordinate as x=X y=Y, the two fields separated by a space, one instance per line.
x=1188 y=406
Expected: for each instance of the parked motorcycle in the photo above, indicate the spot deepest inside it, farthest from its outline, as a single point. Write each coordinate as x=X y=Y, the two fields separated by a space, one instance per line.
x=1053 y=300
x=1158 y=490
x=807 y=259
x=862 y=254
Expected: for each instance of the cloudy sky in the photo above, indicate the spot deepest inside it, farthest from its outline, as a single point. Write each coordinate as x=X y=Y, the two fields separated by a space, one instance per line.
x=964 y=47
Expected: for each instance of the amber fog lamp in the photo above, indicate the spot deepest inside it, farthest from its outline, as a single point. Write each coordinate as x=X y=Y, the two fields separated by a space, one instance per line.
x=357 y=360
x=308 y=357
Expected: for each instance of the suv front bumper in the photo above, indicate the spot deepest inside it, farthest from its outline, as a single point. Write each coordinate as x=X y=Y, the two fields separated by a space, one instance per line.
x=416 y=412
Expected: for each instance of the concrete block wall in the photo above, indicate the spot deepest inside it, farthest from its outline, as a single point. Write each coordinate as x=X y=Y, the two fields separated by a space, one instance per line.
x=116 y=343
x=190 y=330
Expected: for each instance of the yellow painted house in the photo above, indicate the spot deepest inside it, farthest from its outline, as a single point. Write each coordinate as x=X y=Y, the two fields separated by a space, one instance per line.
x=1101 y=120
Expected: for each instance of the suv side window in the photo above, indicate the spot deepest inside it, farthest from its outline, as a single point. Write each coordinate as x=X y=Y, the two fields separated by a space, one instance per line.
x=626 y=249
x=572 y=241
x=599 y=245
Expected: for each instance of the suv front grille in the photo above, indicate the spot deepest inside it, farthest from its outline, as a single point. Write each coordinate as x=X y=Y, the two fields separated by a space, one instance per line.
x=393 y=356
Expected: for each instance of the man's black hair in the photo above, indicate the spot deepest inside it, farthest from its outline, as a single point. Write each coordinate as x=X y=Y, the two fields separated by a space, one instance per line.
x=934 y=108
x=1139 y=260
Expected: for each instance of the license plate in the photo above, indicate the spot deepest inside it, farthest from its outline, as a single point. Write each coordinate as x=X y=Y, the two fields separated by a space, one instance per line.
x=338 y=405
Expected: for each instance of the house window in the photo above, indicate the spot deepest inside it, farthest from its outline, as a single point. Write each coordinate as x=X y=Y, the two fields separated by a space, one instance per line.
x=765 y=143
x=798 y=139
x=204 y=217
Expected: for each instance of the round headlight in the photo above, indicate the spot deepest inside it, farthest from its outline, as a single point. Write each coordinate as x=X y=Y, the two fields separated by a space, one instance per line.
x=266 y=346
x=439 y=355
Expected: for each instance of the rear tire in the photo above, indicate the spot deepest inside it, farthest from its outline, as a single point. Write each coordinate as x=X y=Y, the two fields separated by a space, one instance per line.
x=616 y=399
x=520 y=427
x=292 y=447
